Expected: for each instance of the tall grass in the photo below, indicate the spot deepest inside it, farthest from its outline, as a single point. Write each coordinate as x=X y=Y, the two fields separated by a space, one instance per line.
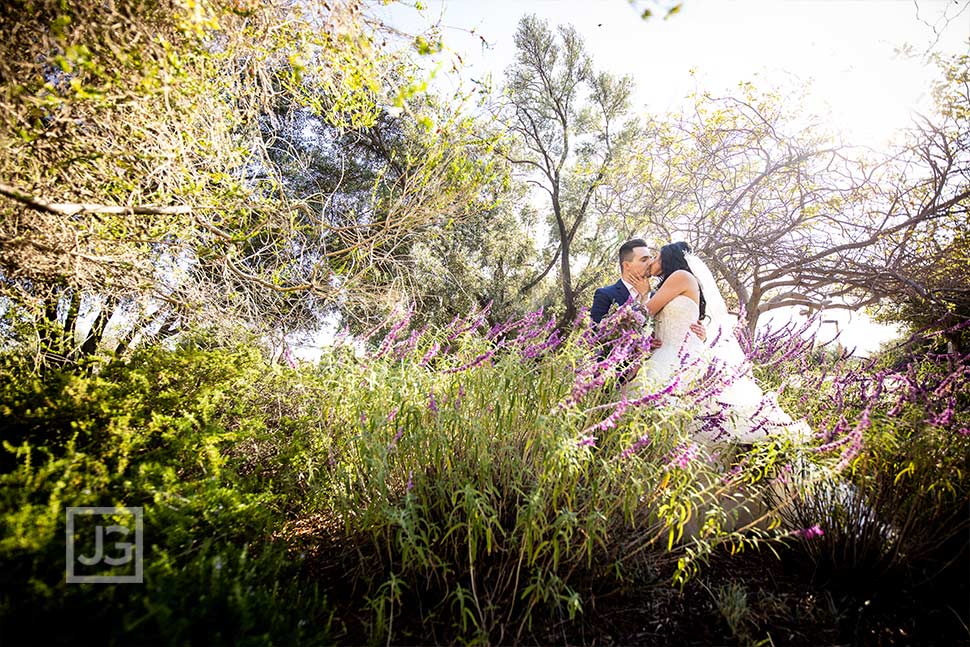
x=492 y=475
x=462 y=484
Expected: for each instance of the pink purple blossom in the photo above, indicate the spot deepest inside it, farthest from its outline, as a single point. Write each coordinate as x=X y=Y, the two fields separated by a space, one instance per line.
x=810 y=532
x=639 y=444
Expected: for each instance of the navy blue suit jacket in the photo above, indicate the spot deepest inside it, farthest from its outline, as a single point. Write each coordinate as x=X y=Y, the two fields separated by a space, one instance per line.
x=604 y=298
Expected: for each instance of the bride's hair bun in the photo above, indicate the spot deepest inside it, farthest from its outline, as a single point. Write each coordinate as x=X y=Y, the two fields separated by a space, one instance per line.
x=682 y=246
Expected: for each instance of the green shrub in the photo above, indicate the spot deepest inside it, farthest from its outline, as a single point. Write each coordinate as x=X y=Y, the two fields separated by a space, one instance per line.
x=154 y=432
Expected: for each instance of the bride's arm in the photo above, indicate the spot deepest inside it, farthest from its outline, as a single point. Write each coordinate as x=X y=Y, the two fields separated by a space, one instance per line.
x=677 y=283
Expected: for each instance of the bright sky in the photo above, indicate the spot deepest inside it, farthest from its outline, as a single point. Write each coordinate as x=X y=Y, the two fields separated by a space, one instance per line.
x=844 y=51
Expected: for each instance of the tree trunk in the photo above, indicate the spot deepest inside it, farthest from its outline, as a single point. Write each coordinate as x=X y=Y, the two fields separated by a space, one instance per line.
x=567 y=286
x=169 y=328
x=56 y=340
x=751 y=306
x=96 y=333
x=69 y=337
x=953 y=349
x=953 y=345
x=125 y=342
x=751 y=315
x=565 y=277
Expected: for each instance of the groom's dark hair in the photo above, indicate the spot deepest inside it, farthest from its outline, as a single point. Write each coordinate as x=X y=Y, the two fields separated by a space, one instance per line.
x=626 y=250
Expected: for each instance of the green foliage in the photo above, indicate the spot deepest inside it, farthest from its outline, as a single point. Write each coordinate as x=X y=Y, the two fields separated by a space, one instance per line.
x=474 y=494
x=455 y=496
x=668 y=9
x=252 y=143
x=459 y=486
x=152 y=433
x=899 y=514
x=569 y=131
x=941 y=266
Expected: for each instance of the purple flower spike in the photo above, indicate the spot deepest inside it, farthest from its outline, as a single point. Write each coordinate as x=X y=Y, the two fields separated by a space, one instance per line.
x=946 y=417
x=432 y=403
x=397 y=437
x=683 y=454
x=288 y=356
x=481 y=359
x=641 y=442
x=430 y=355
x=809 y=533
x=391 y=338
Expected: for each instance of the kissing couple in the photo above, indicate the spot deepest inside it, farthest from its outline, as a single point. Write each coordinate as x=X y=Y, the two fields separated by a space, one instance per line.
x=688 y=310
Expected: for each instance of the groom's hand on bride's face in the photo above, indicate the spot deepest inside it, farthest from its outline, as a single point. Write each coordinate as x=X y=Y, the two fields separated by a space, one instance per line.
x=641 y=284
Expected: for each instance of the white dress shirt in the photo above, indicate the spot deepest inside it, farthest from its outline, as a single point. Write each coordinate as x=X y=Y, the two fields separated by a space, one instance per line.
x=633 y=290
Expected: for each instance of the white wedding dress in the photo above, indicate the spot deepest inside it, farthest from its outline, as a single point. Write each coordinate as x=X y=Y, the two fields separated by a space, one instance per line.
x=716 y=377
x=672 y=327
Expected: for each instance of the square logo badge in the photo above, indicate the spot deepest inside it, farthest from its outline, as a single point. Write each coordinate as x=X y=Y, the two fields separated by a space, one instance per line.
x=104 y=545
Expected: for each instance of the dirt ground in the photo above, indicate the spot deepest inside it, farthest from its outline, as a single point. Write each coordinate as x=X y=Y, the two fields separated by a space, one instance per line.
x=757 y=599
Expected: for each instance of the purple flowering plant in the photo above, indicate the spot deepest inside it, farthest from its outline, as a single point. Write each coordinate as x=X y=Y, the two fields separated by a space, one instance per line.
x=520 y=433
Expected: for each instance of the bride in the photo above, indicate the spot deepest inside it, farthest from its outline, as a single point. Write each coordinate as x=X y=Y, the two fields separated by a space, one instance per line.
x=715 y=374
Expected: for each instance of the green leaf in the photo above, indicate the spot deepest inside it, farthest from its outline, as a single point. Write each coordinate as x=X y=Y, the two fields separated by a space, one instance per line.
x=59 y=25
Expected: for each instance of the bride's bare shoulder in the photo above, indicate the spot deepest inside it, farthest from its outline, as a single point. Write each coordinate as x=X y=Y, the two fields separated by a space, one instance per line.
x=683 y=277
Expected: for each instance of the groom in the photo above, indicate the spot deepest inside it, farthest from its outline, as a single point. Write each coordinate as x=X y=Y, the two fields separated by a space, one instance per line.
x=634 y=261
x=635 y=258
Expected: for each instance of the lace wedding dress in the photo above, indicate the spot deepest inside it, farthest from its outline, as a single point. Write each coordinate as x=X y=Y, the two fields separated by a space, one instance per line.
x=715 y=375
x=672 y=327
